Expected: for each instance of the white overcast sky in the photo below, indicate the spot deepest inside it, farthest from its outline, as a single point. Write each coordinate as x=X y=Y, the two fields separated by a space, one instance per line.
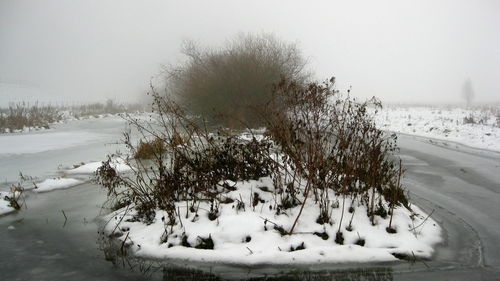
x=400 y=51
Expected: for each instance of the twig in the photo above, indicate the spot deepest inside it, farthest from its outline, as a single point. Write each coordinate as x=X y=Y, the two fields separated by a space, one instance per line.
x=251 y=252
x=123 y=243
x=267 y=220
x=423 y=221
x=65 y=218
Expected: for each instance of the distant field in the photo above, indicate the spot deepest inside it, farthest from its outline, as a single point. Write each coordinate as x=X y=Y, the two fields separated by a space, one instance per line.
x=476 y=127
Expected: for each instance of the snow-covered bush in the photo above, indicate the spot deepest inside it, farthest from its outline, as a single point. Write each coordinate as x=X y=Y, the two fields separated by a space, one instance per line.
x=319 y=148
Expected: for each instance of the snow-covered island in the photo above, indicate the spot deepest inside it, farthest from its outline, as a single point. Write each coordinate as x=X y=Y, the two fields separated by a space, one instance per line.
x=250 y=231
x=319 y=186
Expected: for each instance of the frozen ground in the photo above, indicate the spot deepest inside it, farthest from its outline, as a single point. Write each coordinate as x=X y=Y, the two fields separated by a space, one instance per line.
x=479 y=128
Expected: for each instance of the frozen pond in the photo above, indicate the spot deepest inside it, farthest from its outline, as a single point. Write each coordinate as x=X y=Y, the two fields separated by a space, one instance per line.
x=40 y=154
x=462 y=186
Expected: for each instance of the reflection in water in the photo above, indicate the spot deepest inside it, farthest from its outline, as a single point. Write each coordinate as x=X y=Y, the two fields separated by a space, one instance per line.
x=116 y=253
x=366 y=274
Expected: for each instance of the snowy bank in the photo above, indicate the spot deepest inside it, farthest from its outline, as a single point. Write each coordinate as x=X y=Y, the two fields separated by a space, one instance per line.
x=56 y=183
x=475 y=128
x=5 y=206
x=90 y=168
x=252 y=232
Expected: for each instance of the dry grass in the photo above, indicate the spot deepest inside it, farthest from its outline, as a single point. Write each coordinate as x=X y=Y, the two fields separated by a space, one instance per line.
x=149 y=149
x=24 y=115
x=21 y=115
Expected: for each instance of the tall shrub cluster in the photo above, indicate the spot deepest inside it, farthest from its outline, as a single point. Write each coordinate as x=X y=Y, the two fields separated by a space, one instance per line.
x=226 y=85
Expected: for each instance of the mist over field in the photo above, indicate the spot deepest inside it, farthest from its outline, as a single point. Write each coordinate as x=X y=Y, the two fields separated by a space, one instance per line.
x=400 y=51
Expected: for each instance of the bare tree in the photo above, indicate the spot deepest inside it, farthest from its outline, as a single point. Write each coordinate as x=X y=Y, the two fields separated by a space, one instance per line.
x=468 y=92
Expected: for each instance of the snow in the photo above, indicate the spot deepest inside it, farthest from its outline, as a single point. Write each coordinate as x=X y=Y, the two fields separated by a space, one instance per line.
x=445 y=124
x=56 y=183
x=90 y=168
x=267 y=246
x=5 y=207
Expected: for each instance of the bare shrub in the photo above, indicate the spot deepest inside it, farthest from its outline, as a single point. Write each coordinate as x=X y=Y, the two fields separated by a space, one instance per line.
x=330 y=141
x=318 y=145
x=225 y=85
x=469 y=120
x=191 y=165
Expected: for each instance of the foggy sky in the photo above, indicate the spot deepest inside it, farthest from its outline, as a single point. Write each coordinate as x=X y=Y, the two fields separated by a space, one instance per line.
x=400 y=51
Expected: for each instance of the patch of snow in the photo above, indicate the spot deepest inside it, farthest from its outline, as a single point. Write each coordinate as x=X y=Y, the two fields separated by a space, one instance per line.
x=56 y=183
x=90 y=168
x=11 y=227
x=5 y=207
x=248 y=236
x=445 y=124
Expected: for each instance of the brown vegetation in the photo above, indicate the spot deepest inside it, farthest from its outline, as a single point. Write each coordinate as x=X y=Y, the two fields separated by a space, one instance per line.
x=314 y=135
x=226 y=85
